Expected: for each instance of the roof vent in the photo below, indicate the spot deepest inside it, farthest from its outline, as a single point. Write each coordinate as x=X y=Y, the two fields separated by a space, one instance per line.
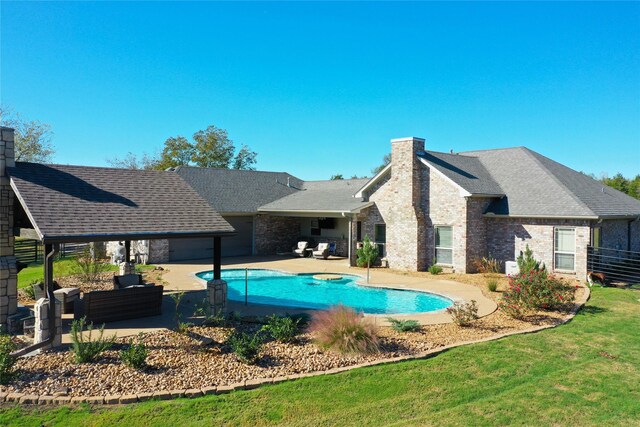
x=288 y=181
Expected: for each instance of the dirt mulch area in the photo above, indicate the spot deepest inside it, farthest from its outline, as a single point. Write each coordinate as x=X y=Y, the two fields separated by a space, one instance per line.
x=201 y=358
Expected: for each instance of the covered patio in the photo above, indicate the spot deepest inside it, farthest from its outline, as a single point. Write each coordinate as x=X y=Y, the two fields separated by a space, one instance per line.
x=69 y=204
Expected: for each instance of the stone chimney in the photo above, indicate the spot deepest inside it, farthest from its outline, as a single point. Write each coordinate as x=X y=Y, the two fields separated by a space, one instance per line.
x=8 y=270
x=406 y=232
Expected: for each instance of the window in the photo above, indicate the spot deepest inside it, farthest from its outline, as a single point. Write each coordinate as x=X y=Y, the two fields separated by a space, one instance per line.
x=596 y=237
x=380 y=238
x=565 y=249
x=444 y=245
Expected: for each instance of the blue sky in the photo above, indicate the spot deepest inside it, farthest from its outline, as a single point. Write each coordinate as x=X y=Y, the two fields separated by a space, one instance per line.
x=321 y=88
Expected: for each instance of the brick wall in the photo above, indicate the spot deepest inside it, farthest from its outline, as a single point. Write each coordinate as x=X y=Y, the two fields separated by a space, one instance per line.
x=275 y=234
x=615 y=234
x=401 y=204
x=8 y=270
x=507 y=237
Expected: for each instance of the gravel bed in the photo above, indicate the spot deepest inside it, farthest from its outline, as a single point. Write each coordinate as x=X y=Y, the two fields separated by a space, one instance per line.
x=201 y=358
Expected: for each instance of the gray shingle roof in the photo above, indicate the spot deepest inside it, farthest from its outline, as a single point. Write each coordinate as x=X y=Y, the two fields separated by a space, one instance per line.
x=323 y=196
x=78 y=203
x=238 y=191
x=466 y=171
x=538 y=186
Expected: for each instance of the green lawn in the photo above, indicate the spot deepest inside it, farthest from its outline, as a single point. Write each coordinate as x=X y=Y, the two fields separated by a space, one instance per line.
x=584 y=373
x=61 y=268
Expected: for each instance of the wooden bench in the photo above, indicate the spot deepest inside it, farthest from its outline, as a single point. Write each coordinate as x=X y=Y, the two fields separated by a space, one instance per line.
x=120 y=304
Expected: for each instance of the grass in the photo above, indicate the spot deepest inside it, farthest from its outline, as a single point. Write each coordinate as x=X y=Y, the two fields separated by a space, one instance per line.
x=583 y=373
x=61 y=268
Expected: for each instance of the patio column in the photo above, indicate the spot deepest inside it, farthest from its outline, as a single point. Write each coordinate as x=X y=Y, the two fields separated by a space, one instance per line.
x=8 y=267
x=127 y=267
x=48 y=319
x=217 y=288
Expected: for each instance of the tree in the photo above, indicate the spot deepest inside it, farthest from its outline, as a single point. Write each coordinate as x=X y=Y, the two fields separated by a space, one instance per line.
x=131 y=161
x=336 y=177
x=32 y=139
x=386 y=159
x=213 y=148
x=177 y=151
x=619 y=182
x=245 y=159
x=367 y=254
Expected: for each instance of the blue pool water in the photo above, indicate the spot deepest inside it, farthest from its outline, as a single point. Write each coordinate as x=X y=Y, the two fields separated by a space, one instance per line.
x=303 y=291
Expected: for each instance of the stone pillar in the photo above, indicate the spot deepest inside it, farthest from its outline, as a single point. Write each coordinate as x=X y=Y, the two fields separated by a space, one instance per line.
x=8 y=270
x=127 y=268
x=217 y=291
x=41 y=309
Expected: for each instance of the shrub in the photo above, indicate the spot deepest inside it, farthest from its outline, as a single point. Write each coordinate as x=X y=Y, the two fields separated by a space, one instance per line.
x=7 y=361
x=135 y=356
x=526 y=262
x=203 y=309
x=84 y=347
x=404 y=325
x=535 y=290
x=88 y=267
x=435 y=269
x=492 y=285
x=463 y=313
x=246 y=346
x=234 y=316
x=28 y=291
x=343 y=330
x=282 y=328
x=486 y=265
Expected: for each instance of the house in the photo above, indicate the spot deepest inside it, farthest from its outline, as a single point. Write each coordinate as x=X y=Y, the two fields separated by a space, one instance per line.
x=426 y=208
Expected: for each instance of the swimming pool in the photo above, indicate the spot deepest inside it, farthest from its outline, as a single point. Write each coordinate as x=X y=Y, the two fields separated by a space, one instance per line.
x=303 y=291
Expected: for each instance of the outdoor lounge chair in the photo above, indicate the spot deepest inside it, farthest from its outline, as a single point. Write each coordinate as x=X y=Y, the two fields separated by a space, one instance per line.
x=321 y=251
x=301 y=249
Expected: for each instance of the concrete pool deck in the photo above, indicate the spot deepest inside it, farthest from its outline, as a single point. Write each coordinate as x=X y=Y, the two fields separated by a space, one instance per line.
x=180 y=277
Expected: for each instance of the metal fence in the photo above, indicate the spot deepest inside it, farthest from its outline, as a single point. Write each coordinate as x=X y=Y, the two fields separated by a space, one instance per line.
x=30 y=250
x=617 y=265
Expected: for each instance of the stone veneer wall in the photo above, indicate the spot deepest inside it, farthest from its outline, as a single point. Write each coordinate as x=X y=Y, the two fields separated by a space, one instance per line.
x=275 y=234
x=507 y=237
x=158 y=251
x=8 y=269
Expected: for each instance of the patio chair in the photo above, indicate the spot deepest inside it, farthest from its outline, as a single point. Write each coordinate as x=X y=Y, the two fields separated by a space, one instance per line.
x=66 y=296
x=301 y=249
x=321 y=251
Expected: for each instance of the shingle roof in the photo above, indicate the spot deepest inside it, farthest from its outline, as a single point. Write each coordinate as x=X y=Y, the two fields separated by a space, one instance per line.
x=238 y=191
x=538 y=186
x=78 y=203
x=466 y=171
x=322 y=196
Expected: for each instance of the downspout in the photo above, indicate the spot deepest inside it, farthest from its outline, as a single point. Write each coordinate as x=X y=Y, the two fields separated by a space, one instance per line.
x=51 y=251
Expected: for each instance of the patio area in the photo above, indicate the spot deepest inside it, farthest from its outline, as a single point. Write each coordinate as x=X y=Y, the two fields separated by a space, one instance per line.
x=180 y=277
